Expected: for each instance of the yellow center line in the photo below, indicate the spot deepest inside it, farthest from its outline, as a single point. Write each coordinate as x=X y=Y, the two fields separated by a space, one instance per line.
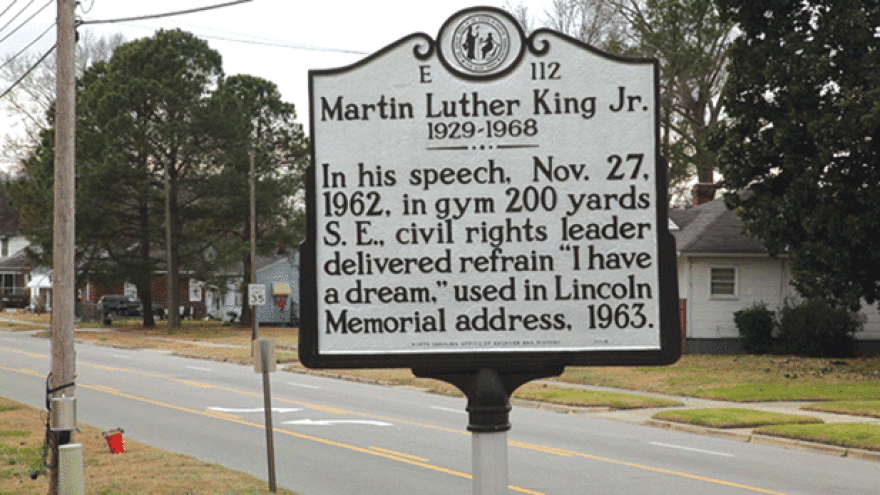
x=569 y=453
x=399 y=454
x=395 y=456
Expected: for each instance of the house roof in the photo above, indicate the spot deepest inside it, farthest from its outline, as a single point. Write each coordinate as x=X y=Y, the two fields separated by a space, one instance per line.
x=712 y=228
x=18 y=262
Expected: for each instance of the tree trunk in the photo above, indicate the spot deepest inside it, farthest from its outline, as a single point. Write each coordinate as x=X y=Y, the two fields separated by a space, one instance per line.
x=171 y=253
x=246 y=312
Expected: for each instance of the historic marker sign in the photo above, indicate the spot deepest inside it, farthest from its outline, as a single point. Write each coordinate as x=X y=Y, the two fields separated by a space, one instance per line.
x=484 y=199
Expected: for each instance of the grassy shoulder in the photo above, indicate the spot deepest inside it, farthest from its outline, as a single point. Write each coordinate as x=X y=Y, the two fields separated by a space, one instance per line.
x=868 y=408
x=851 y=435
x=141 y=469
x=733 y=417
x=744 y=378
x=587 y=398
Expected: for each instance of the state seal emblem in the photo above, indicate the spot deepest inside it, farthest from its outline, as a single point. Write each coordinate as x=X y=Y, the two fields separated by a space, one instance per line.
x=481 y=42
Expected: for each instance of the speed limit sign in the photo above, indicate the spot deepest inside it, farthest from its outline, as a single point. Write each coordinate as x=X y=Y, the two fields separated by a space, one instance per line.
x=256 y=294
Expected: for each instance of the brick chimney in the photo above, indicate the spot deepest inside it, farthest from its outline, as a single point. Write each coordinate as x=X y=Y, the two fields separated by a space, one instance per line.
x=703 y=192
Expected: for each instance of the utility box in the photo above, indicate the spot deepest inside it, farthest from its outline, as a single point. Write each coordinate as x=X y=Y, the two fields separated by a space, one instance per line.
x=62 y=411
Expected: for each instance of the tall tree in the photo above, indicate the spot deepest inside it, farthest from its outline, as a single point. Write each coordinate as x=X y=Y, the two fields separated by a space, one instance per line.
x=255 y=120
x=154 y=95
x=802 y=153
x=143 y=133
x=162 y=167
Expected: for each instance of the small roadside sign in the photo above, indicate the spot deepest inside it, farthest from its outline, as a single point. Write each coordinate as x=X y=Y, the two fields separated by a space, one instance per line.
x=257 y=294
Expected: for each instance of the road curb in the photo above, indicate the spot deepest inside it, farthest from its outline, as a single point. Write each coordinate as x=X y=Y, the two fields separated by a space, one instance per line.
x=786 y=443
x=702 y=430
x=819 y=448
x=865 y=455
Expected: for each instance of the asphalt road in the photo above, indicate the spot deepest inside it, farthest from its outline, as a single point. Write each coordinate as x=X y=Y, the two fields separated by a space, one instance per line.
x=340 y=437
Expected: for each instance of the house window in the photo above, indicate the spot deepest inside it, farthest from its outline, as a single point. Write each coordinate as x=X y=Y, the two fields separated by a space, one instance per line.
x=4 y=247
x=723 y=282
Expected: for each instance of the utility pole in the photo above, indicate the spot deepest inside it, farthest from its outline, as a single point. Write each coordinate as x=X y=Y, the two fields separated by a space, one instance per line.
x=253 y=186
x=61 y=381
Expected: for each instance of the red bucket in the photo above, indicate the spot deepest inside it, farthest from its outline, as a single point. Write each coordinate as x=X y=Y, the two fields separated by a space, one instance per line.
x=115 y=440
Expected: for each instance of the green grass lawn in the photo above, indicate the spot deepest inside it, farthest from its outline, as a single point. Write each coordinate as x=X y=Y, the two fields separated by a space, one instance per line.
x=794 y=392
x=585 y=398
x=852 y=435
x=869 y=408
x=744 y=378
x=732 y=417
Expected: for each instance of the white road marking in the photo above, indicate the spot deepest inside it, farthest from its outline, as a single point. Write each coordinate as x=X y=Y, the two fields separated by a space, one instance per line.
x=330 y=422
x=449 y=409
x=198 y=368
x=120 y=356
x=302 y=385
x=243 y=410
x=691 y=449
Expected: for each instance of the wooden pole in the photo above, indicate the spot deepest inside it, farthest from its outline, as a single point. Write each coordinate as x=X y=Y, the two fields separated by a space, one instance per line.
x=253 y=184
x=63 y=275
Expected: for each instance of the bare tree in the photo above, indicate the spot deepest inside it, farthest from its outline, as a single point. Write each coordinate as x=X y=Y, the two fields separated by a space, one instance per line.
x=690 y=41
x=28 y=103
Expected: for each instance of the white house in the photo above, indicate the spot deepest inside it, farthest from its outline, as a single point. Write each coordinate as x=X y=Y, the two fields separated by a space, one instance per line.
x=722 y=270
x=15 y=266
x=280 y=275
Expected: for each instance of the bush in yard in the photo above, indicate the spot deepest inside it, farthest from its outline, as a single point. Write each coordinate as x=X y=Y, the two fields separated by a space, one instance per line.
x=755 y=324
x=816 y=329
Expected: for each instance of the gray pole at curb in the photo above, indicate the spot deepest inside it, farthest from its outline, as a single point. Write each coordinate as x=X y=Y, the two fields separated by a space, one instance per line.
x=267 y=364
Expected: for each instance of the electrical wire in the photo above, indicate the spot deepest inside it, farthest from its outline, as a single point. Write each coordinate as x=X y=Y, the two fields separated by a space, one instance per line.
x=261 y=41
x=29 y=19
x=7 y=8
x=86 y=11
x=281 y=44
x=167 y=14
x=38 y=62
x=16 y=15
x=38 y=38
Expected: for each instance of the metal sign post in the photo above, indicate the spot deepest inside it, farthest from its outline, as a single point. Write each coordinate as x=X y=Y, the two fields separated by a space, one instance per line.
x=256 y=297
x=265 y=362
x=486 y=208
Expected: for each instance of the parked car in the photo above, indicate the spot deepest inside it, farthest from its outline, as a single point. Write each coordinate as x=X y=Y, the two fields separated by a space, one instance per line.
x=115 y=306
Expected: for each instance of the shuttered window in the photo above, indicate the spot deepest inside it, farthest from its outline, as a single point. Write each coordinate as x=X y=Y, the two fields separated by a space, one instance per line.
x=723 y=282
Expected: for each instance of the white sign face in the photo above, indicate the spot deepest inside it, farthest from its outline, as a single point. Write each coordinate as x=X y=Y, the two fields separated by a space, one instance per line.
x=486 y=193
x=257 y=294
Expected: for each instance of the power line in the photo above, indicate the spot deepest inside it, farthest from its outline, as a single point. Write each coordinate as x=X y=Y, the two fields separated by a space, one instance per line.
x=29 y=19
x=38 y=62
x=260 y=41
x=86 y=11
x=7 y=8
x=16 y=15
x=281 y=44
x=167 y=14
x=38 y=38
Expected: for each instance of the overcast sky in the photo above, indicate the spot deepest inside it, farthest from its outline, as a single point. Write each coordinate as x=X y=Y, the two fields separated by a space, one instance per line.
x=278 y=40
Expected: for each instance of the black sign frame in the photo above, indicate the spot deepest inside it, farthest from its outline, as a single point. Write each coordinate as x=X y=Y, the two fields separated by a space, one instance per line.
x=670 y=336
